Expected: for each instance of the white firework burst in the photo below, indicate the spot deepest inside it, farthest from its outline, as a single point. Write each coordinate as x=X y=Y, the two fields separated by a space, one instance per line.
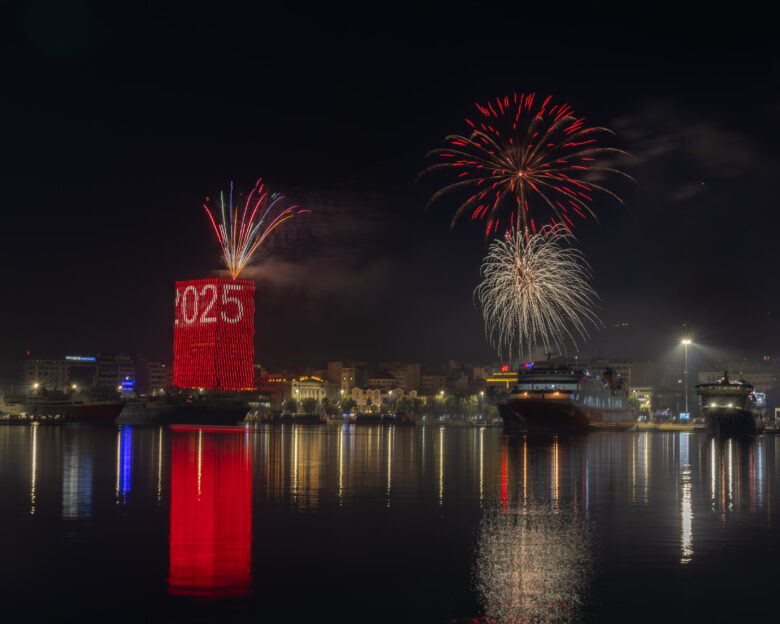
x=535 y=292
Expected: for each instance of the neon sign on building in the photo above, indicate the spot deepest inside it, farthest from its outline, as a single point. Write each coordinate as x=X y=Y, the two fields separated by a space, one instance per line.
x=213 y=334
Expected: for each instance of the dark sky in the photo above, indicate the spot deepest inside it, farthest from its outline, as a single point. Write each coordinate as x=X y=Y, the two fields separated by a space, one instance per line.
x=118 y=118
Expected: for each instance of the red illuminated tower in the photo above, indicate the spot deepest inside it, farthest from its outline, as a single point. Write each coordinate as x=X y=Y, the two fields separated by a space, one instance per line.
x=213 y=334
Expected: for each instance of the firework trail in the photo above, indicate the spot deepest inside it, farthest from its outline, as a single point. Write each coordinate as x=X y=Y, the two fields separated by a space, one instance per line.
x=534 y=291
x=533 y=163
x=241 y=231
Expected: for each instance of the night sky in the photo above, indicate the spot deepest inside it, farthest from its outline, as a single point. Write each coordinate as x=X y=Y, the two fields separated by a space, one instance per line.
x=118 y=118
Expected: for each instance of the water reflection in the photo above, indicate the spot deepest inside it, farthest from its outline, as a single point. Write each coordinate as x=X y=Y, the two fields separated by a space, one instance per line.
x=124 y=463
x=34 y=467
x=534 y=556
x=76 y=477
x=211 y=513
x=686 y=509
x=522 y=520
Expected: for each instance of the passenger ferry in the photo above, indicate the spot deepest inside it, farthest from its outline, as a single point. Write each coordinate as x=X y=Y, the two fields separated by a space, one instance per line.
x=730 y=407
x=562 y=399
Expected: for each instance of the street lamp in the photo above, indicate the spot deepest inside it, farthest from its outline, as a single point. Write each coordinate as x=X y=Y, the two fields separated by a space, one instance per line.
x=685 y=343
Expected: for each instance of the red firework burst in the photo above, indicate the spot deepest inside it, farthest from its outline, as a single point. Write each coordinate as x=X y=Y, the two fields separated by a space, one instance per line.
x=535 y=164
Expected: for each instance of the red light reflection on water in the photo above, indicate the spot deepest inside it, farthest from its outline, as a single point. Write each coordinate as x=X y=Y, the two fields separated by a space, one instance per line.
x=504 y=479
x=211 y=513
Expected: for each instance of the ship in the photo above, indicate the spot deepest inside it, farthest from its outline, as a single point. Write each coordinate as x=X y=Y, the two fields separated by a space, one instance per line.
x=213 y=408
x=95 y=405
x=558 y=399
x=729 y=407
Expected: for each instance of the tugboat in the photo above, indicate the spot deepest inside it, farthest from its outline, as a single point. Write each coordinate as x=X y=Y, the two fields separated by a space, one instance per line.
x=729 y=407
x=556 y=399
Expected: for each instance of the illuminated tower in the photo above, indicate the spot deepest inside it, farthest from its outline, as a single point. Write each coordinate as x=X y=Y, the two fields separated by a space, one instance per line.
x=213 y=334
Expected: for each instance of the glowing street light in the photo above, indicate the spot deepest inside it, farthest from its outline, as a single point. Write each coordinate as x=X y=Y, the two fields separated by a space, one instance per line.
x=686 y=343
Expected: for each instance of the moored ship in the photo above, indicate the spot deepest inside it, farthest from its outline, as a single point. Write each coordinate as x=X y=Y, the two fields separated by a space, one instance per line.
x=729 y=407
x=552 y=399
x=97 y=405
x=214 y=408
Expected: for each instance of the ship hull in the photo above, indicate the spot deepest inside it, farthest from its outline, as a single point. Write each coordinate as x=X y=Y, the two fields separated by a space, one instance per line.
x=726 y=422
x=97 y=413
x=529 y=414
x=200 y=413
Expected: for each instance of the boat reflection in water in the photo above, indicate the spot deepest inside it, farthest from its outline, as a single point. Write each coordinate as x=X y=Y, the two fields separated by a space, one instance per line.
x=211 y=512
x=534 y=553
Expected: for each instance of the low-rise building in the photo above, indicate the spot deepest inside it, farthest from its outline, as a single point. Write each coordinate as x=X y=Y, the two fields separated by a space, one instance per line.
x=308 y=388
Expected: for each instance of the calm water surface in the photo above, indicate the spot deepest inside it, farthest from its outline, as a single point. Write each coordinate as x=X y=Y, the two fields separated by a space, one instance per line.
x=369 y=523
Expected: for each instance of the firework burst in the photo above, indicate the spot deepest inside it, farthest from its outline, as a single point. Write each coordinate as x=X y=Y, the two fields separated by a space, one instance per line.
x=242 y=230
x=526 y=165
x=535 y=291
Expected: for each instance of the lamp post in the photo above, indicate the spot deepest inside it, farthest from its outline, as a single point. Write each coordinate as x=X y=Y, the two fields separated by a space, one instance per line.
x=685 y=343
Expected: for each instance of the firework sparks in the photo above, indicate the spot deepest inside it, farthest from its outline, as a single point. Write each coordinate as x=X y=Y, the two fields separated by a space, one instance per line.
x=242 y=230
x=536 y=164
x=535 y=291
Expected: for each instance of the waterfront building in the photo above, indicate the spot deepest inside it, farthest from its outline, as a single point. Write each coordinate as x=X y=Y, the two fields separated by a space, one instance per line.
x=382 y=380
x=644 y=398
x=116 y=370
x=406 y=375
x=432 y=384
x=372 y=399
x=59 y=373
x=277 y=387
x=347 y=378
x=49 y=373
x=502 y=380
x=150 y=377
x=367 y=399
x=334 y=372
x=308 y=388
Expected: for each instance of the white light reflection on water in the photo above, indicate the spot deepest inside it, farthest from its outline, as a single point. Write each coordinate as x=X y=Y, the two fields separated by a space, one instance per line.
x=340 y=494
x=481 y=465
x=686 y=509
x=713 y=476
x=533 y=564
x=731 y=475
x=441 y=466
x=390 y=440
x=76 y=481
x=34 y=467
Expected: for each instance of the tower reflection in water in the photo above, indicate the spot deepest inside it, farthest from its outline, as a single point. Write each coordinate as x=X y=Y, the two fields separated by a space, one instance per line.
x=211 y=513
x=533 y=560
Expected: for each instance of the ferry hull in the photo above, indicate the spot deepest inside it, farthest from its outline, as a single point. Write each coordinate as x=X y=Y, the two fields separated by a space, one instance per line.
x=528 y=414
x=725 y=422
x=96 y=413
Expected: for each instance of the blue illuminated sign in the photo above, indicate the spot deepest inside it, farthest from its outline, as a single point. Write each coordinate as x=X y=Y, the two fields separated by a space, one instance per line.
x=685 y=415
x=81 y=358
x=529 y=365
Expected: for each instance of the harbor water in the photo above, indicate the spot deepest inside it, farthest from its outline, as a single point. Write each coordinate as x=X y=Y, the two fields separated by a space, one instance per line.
x=372 y=523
